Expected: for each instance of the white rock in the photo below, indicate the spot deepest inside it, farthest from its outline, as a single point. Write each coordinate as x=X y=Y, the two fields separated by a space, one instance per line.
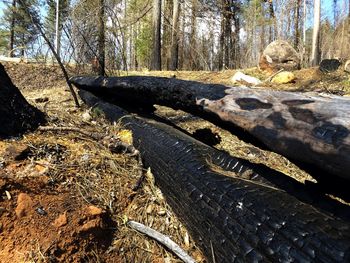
x=241 y=77
x=86 y=116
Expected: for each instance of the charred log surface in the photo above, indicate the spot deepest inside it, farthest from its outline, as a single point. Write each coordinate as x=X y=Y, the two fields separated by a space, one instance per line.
x=311 y=129
x=16 y=114
x=244 y=217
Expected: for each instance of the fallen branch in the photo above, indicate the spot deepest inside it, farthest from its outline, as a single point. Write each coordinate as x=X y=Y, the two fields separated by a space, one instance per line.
x=163 y=239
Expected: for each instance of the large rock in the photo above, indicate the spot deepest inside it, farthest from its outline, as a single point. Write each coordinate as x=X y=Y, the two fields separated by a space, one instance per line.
x=16 y=114
x=277 y=55
x=329 y=65
x=347 y=66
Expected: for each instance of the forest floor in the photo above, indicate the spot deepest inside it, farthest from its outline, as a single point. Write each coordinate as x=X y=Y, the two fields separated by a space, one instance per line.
x=65 y=197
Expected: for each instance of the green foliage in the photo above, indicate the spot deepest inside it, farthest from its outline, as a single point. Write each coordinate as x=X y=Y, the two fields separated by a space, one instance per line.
x=4 y=35
x=144 y=44
x=24 y=31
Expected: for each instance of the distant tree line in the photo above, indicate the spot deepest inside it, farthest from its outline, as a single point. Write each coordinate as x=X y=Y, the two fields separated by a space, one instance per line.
x=173 y=34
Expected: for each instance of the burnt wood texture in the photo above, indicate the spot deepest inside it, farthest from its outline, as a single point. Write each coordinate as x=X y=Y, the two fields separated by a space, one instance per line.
x=16 y=114
x=244 y=217
x=309 y=128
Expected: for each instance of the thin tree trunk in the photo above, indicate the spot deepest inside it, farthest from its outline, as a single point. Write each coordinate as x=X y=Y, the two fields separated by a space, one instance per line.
x=222 y=38
x=315 y=54
x=273 y=28
x=227 y=41
x=174 y=37
x=193 y=37
x=57 y=28
x=296 y=25
x=101 y=39
x=12 y=29
x=156 y=62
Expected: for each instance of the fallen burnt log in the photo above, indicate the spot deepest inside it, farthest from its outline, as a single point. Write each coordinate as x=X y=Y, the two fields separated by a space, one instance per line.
x=239 y=220
x=309 y=128
x=16 y=114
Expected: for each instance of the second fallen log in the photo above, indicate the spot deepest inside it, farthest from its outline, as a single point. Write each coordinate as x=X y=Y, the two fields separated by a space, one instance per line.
x=309 y=128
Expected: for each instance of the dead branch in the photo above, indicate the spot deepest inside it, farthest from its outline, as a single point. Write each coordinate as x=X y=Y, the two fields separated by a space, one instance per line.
x=163 y=239
x=38 y=26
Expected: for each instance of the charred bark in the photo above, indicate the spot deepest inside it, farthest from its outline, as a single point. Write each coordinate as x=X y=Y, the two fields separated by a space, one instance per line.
x=243 y=216
x=309 y=128
x=16 y=114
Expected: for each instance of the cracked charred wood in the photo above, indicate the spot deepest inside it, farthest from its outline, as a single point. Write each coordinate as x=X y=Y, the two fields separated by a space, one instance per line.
x=243 y=216
x=17 y=116
x=309 y=128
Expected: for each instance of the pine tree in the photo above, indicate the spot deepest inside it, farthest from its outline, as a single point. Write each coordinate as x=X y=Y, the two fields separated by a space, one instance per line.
x=24 y=32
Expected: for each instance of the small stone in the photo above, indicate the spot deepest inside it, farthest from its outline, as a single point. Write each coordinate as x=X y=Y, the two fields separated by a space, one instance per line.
x=61 y=220
x=161 y=212
x=86 y=116
x=8 y=195
x=94 y=211
x=24 y=205
x=95 y=223
x=284 y=77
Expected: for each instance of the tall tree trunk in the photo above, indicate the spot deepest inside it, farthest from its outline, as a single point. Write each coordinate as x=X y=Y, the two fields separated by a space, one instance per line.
x=156 y=61
x=12 y=29
x=315 y=54
x=235 y=47
x=166 y=32
x=174 y=37
x=273 y=27
x=296 y=25
x=193 y=36
x=101 y=39
x=222 y=37
x=228 y=36
x=57 y=28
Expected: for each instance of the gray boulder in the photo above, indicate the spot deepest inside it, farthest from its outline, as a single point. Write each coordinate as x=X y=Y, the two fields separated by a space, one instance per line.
x=280 y=54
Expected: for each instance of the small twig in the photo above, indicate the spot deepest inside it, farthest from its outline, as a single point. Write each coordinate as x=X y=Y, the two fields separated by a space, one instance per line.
x=95 y=136
x=163 y=239
x=271 y=77
x=212 y=252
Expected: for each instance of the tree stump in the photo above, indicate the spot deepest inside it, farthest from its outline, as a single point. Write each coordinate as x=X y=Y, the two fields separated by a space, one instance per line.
x=16 y=114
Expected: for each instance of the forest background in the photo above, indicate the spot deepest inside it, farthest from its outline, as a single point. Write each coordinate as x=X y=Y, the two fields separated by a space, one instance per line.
x=173 y=34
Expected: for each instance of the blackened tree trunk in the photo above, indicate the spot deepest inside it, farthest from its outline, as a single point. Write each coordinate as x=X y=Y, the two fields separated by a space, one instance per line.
x=101 y=39
x=156 y=62
x=308 y=128
x=16 y=114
